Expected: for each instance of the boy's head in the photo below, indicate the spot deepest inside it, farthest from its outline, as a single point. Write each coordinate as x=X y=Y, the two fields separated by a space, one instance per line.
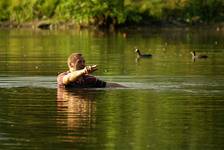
x=76 y=61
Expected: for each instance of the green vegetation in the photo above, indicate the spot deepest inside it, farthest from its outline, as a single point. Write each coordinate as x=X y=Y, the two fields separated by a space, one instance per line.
x=113 y=12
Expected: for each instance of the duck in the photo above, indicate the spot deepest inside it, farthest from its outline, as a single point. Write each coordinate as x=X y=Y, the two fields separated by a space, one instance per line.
x=140 y=55
x=200 y=56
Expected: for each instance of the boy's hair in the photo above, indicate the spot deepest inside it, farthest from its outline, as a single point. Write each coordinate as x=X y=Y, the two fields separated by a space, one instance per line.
x=73 y=57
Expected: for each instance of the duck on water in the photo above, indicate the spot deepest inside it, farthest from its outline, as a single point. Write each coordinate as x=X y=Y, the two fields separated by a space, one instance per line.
x=199 y=56
x=140 y=55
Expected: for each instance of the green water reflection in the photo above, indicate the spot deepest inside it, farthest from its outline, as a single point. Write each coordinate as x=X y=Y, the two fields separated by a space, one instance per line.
x=118 y=119
x=172 y=103
x=25 y=52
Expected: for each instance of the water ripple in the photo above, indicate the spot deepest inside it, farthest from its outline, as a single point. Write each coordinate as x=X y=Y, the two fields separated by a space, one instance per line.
x=38 y=81
x=186 y=83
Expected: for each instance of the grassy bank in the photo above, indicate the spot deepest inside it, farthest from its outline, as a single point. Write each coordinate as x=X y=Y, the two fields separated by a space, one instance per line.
x=109 y=13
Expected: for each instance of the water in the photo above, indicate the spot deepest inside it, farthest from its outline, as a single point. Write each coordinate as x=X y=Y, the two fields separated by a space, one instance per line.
x=171 y=102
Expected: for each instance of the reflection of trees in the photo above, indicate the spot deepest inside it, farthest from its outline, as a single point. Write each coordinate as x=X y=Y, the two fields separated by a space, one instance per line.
x=75 y=113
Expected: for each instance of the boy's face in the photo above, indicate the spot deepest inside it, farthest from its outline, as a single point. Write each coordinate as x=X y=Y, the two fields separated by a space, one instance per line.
x=80 y=63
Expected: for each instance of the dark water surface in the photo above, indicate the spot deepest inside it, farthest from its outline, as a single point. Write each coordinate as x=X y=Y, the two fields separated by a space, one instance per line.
x=172 y=101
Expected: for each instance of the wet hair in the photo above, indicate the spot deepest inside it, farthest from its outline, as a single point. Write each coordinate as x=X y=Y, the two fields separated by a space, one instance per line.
x=73 y=57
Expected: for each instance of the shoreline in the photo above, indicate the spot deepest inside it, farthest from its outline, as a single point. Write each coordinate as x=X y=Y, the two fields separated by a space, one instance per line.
x=50 y=25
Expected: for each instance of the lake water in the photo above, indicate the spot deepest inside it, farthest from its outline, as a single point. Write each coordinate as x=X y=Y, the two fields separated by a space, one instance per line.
x=172 y=101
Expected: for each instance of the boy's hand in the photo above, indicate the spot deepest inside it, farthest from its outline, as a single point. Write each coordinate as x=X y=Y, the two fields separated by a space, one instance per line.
x=90 y=69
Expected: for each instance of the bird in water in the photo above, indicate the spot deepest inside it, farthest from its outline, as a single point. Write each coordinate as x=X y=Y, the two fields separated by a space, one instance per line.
x=140 y=55
x=199 y=56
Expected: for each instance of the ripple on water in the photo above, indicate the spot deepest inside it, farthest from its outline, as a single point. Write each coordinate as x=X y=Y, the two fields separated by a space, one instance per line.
x=160 y=83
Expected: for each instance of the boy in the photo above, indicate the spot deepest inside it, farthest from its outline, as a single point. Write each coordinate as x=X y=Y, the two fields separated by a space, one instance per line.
x=79 y=76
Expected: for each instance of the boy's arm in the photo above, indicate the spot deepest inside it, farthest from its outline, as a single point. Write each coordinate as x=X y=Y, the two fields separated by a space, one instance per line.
x=75 y=75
